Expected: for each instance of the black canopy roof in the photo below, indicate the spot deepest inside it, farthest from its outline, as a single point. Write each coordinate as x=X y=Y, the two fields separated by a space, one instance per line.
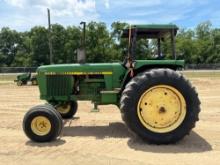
x=151 y=30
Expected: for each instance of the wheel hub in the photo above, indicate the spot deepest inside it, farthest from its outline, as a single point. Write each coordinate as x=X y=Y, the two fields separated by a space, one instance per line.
x=41 y=125
x=161 y=109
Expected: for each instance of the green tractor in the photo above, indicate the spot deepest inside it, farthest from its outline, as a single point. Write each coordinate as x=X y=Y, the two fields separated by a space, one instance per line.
x=156 y=102
x=24 y=78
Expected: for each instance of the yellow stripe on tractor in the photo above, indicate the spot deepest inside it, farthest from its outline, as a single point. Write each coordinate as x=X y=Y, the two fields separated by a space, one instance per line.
x=79 y=73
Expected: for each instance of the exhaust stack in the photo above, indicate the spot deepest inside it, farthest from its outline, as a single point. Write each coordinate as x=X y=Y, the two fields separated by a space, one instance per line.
x=81 y=52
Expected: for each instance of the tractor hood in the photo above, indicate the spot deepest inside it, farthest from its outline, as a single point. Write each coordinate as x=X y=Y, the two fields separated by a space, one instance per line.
x=80 y=69
x=102 y=68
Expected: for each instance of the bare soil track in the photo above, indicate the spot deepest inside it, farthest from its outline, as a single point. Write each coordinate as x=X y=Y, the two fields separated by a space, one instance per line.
x=102 y=138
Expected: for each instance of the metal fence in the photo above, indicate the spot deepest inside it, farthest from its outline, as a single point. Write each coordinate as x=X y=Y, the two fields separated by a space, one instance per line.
x=17 y=69
x=202 y=66
x=33 y=69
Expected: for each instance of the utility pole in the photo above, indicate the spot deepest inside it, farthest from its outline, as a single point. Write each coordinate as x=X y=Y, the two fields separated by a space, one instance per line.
x=49 y=37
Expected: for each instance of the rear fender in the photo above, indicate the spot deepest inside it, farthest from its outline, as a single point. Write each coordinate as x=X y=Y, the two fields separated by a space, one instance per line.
x=144 y=68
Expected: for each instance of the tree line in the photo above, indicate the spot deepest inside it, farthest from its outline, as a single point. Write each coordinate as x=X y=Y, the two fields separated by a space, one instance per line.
x=30 y=48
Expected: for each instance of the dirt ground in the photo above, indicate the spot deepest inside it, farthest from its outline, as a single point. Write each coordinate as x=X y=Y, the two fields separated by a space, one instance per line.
x=102 y=138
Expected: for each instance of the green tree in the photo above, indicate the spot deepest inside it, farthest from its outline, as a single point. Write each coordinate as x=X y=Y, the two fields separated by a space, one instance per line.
x=58 y=37
x=120 y=45
x=9 y=43
x=39 y=46
x=72 y=43
x=185 y=45
x=30 y=48
x=203 y=30
x=215 y=57
x=204 y=42
x=23 y=55
x=98 y=43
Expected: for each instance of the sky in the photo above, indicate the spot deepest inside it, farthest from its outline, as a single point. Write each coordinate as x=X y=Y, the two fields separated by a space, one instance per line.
x=22 y=15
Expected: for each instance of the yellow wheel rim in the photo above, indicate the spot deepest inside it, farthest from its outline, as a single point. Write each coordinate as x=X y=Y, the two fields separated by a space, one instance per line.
x=161 y=109
x=19 y=83
x=63 y=109
x=41 y=125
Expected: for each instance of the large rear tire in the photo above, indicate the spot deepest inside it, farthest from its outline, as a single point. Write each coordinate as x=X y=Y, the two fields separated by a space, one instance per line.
x=160 y=106
x=42 y=124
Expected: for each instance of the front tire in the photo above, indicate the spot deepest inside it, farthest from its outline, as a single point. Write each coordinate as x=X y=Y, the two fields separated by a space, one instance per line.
x=42 y=124
x=160 y=106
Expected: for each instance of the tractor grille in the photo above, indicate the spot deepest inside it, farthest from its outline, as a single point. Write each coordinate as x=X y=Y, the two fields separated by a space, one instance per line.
x=59 y=85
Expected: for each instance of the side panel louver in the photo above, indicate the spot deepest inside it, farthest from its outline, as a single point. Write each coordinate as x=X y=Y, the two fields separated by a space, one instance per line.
x=59 y=85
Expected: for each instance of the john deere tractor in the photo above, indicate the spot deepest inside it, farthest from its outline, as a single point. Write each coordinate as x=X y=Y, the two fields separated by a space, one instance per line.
x=156 y=102
x=24 y=78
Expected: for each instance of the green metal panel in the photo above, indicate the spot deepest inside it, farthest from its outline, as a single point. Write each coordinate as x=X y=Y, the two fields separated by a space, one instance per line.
x=108 y=82
x=119 y=73
x=109 y=97
x=41 y=79
x=111 y=71
x=90 y=89
x=56 y=82
x=58 y=98
x=179 y=63
x=60 y=85
x=61 y=68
